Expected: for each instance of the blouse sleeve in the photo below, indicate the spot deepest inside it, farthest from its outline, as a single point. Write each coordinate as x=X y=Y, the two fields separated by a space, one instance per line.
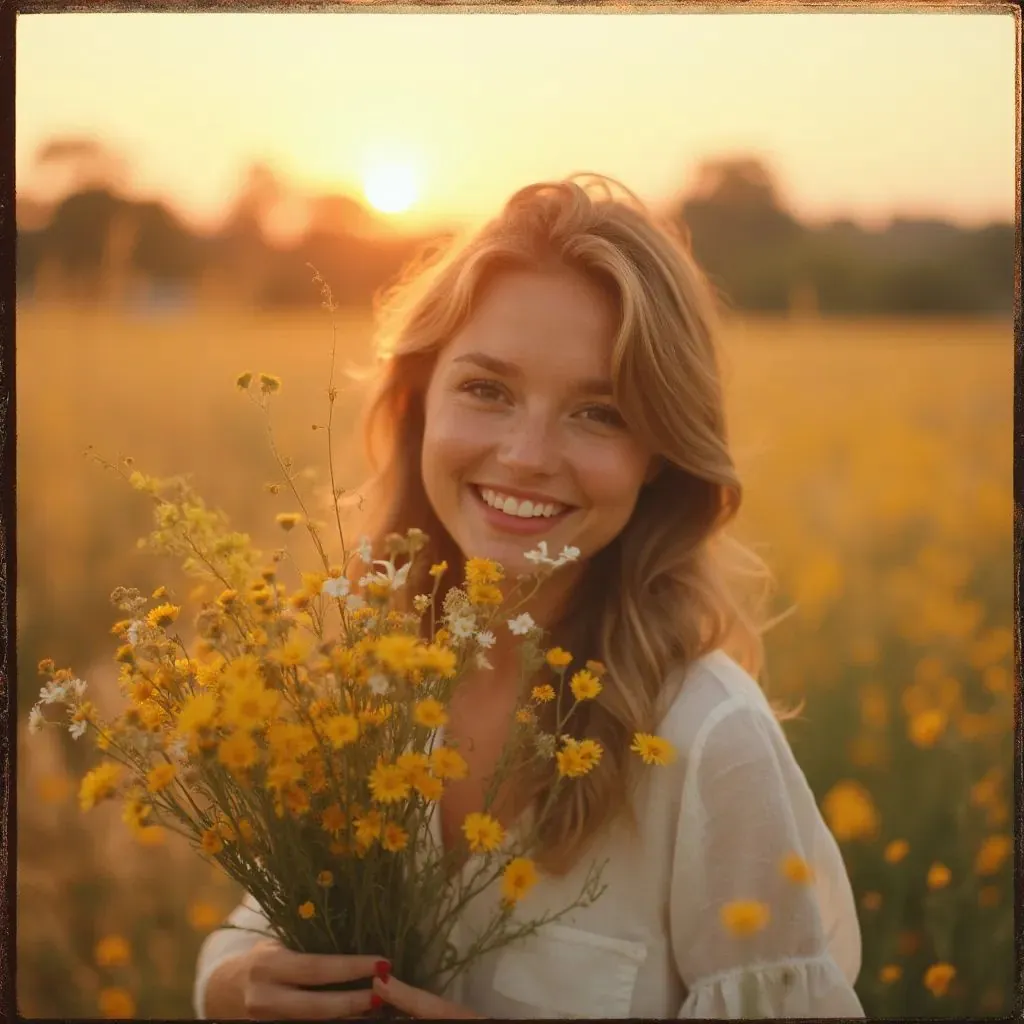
x=250 y=927
x=746 y=807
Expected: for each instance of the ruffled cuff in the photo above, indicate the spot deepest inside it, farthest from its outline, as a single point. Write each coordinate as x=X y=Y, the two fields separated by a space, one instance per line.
x=813 y=987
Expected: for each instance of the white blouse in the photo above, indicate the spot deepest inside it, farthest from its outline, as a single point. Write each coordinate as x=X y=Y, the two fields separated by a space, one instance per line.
x=715 y=827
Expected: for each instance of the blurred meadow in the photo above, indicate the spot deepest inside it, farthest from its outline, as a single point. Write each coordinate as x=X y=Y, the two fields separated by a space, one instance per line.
x=869 y=379
x=877 y=457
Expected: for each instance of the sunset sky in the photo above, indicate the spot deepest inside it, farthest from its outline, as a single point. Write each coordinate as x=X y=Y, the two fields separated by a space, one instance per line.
x=863 y=115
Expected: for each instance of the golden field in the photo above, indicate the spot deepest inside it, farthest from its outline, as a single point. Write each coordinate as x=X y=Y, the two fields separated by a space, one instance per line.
x=877 y=458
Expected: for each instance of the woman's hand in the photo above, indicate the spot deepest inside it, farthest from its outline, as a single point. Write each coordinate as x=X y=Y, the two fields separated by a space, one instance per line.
x=270 y=982
x=418 y=1003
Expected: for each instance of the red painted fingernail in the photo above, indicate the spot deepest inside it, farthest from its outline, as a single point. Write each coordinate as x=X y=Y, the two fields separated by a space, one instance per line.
x=382 y=969
x=376 y=1002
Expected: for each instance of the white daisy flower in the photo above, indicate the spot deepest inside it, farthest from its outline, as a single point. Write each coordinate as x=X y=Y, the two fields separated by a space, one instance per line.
x=482 y=662
x=78 y=687
x=522 y=624
x=36 y=720
x=133 y=632
x=389 y=576
x=336 y=586
x=354 y=602
x=77 y=729
x=379 y=684
x=539 y=555
x=569 y=554
x=486 y=639
x=421 y=602
x=462 y=627
x=53 y=693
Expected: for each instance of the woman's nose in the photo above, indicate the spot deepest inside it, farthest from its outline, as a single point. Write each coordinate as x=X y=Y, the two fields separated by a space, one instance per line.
x=530 y=446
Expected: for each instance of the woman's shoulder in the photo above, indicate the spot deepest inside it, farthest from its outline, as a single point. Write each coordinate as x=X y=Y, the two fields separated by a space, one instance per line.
x=707 y=690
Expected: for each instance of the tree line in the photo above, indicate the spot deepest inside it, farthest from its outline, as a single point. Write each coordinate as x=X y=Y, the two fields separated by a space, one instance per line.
x=98 y=244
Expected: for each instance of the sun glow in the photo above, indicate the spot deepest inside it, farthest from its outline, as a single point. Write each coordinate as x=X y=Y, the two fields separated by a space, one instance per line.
x=391 y=187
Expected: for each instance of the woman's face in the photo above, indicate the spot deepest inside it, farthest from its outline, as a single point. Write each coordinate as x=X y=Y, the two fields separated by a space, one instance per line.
x=522 y=440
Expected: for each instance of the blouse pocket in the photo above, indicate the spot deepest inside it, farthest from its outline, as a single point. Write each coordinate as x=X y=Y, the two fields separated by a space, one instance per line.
x=569 y=972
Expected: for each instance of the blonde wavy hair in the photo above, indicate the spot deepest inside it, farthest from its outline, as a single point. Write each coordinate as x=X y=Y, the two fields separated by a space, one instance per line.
x=673 y=585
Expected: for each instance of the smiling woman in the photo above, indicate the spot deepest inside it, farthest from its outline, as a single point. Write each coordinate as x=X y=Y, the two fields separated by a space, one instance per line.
x=556 y=375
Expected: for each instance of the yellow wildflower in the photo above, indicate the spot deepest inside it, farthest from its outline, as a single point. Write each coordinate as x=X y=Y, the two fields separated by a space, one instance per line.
x=483 y=832
x=744 y=917
x=395 y=838
x=938 y=977
x=558 y=658
x=198 y=711
x=850 y=811
x=896 y=851
x=287 y=520
x=341 y=730
x=994 y=850
x=99 y=784
x=439 y=659
x=269 y=383
x=388 y=784
x=483 y=571
x=430 y=713
x=484 y=594
x=238 y=752
x=926 y=727
x=333 y=819
x=397 y=652
x=542 y=694
x=938 y=876
x=307 y=910
x=590 y=751
x=890 y=973
x=524 y=716
x=242 y=381
x=112 y=951
x=284 y=774
x=571 y=764
x=653 y=749
x=325 y=879
x=203 y=917
x=116 y=1003
x=448 y=763
x=597 y=668
x=368 y=827
x=163 y=615
x=584 y=685
x=438 y=569
x=429 y=787
x=517 y=879
x=211 y=842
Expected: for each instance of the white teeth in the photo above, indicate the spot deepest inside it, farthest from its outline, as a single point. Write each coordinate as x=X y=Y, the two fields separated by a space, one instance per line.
x=524 y=509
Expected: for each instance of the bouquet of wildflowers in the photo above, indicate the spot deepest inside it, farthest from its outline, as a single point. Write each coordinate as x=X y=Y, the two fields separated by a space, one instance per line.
x=294 y=734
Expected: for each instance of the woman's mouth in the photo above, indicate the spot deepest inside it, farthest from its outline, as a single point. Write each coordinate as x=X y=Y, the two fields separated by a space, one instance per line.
x=519 y=515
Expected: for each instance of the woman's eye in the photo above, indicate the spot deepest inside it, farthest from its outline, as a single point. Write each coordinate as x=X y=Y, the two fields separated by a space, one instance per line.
x=603 y=414
x=484 y=389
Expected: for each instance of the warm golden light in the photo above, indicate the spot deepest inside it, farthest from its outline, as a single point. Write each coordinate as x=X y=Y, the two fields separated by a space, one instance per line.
x=391 y=188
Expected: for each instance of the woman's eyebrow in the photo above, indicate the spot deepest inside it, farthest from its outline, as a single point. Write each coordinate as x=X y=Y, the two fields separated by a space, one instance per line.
x=589 y=386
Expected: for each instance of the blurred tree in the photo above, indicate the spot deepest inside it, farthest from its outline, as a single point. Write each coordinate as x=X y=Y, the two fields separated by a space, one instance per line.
x=741 y=232
x=75 y=163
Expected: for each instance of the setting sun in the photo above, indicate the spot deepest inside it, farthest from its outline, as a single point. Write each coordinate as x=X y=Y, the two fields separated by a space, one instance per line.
x=391 y=188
